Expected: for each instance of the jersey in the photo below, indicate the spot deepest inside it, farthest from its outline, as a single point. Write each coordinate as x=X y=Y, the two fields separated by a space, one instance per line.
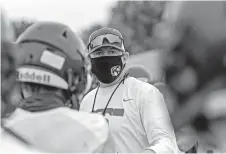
x=137 y=115
x=10 y=144
x=61 y=130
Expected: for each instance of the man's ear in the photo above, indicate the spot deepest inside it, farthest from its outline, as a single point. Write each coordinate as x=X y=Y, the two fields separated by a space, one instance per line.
x=125 y=56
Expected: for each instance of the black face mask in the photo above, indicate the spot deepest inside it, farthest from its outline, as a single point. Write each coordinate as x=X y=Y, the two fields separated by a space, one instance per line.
x=107 y=69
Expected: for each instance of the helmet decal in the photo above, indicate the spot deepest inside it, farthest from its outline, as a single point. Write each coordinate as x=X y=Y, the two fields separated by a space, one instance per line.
x=52 y=59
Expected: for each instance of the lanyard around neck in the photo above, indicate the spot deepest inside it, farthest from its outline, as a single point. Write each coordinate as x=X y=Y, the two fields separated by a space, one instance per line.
x=125 y=76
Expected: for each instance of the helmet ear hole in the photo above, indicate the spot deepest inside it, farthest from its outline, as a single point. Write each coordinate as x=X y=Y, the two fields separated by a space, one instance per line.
x=64 y=34
x=31 y=56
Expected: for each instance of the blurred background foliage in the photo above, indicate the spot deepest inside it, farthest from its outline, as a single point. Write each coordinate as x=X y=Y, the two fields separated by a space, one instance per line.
x=135 y=19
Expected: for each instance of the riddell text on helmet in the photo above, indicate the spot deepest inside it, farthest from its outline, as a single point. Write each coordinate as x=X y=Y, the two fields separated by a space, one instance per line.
x=28 y=76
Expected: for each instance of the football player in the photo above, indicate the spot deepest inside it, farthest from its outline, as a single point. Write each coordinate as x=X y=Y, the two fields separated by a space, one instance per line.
x=52 y=78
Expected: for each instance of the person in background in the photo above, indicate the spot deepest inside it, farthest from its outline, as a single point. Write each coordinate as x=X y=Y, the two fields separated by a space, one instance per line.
x=52 y=78
x=138 y=117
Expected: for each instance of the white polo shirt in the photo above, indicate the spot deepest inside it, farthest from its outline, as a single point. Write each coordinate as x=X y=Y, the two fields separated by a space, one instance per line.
x=61 y=130
x=137 y=115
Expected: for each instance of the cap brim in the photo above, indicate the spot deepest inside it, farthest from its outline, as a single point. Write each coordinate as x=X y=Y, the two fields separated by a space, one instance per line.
x=39 y=75
x=106 y=45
